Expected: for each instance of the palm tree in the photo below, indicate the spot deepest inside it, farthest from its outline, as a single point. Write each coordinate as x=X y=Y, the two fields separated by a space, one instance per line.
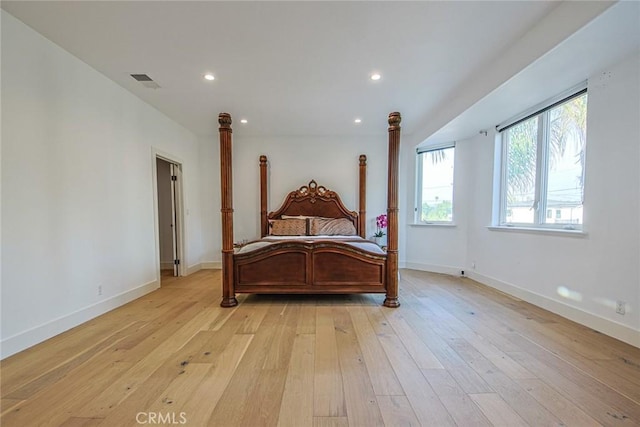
x=521 y=158
x=567 y=122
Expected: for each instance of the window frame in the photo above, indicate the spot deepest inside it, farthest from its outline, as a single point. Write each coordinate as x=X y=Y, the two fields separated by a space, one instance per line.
x=540 y=204
x=419 y=177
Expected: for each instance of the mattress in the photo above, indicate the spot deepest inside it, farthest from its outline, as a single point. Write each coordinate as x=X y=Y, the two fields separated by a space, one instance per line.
x=355 y=241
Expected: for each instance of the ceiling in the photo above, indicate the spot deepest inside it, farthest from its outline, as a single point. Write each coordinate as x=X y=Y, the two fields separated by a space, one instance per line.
x=290 y=68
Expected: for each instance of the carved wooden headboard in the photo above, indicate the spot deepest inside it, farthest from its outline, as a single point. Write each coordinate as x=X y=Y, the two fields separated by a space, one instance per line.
x=313 y=200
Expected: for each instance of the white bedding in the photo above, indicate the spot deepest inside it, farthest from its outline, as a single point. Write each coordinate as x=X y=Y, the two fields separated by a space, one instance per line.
x=355 y=241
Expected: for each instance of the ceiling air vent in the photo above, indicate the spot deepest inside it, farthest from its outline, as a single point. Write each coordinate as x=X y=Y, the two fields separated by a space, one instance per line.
x=146 y=81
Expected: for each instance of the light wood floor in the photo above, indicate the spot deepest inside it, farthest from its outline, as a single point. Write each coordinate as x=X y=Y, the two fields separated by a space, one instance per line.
x=454 y=353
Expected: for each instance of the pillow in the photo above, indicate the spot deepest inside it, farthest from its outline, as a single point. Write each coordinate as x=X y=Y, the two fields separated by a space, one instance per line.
x=331 y=227
x=288 y=227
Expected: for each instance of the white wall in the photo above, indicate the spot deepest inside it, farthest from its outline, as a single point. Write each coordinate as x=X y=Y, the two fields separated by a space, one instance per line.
x=293 y=162
x=211 y=228
x=599 y=268
x=78 y=190
x=439 y=248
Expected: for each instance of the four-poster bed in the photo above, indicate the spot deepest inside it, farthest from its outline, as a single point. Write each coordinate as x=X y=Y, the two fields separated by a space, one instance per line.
x=312 y=244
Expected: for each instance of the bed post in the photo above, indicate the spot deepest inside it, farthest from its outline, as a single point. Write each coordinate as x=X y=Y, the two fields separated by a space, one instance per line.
x=362 y=214
x=226 y=209
x=392 y=211
x=264 y=230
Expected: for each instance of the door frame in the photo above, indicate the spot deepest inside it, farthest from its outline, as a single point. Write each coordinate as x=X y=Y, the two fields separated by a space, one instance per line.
x=180 y=216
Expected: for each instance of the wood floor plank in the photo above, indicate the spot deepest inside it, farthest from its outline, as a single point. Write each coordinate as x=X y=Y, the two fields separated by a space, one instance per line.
x=586 y=378
x=253 y=320
x=397 y=411
x=497 y=410
x=328 y=400
x=218 y=338
x=383 y=378
x=605 y=414
x=205 y=395
x=157 y=347
x=475 y=316
x=29 y=364
x=557 y=404
x=178 y=392
x=266 y=397
x=424 y=401
x=254 y=394
x=526 y=406
x=619 y=404
x=622 y=366
x=324 y=360
x=499 y=359
x=379 y=321
x=299 y=384
x=360 y=399
x=307 y=320
x=464 y=375
x=171 y=374
x=460 y=406
x=25 y=367
x=54 y=404
x=7 y=405
x=82 y=422
x=330 y=422
x=419 y=351
x=62 y=370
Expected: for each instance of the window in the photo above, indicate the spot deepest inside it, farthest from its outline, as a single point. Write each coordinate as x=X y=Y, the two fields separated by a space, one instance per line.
x=435 y=184
x=543 y=157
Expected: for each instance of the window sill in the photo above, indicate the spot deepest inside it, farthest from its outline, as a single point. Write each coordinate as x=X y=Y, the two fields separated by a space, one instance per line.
x=532 y=230
x=432 y=224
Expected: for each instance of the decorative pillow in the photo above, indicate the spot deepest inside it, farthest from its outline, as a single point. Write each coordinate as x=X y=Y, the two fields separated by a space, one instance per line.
x=331 y=227
x=288 y=227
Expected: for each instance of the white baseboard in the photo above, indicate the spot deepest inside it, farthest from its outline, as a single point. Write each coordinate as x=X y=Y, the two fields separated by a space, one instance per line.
x=212 y=265
x=593 y=321
x=38 y=334
x=193 y=268
x=444 y=269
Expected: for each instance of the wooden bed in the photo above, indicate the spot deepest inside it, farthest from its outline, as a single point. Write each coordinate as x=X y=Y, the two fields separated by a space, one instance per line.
x=306 y=265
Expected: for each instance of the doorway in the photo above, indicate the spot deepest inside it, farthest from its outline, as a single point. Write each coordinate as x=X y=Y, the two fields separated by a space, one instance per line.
x=168 y=184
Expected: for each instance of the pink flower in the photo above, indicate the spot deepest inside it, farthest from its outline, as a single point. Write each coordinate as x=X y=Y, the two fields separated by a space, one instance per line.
x=381 y=223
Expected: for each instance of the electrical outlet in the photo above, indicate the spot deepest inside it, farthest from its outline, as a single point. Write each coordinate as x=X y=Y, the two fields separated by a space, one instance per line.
x=99 y=289
x=473 y=265
x=621 y=307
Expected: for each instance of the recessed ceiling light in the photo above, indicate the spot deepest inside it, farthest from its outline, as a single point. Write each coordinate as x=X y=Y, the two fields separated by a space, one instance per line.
x=209 y=76
x=375 y=76
x=244 y=121
x=357 y=121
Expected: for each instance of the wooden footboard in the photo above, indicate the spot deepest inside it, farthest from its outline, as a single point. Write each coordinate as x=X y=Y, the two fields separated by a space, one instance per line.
x=318 y=267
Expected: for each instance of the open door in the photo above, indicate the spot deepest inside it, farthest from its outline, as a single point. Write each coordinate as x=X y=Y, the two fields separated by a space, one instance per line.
x=169 y=216
x=176 y=178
